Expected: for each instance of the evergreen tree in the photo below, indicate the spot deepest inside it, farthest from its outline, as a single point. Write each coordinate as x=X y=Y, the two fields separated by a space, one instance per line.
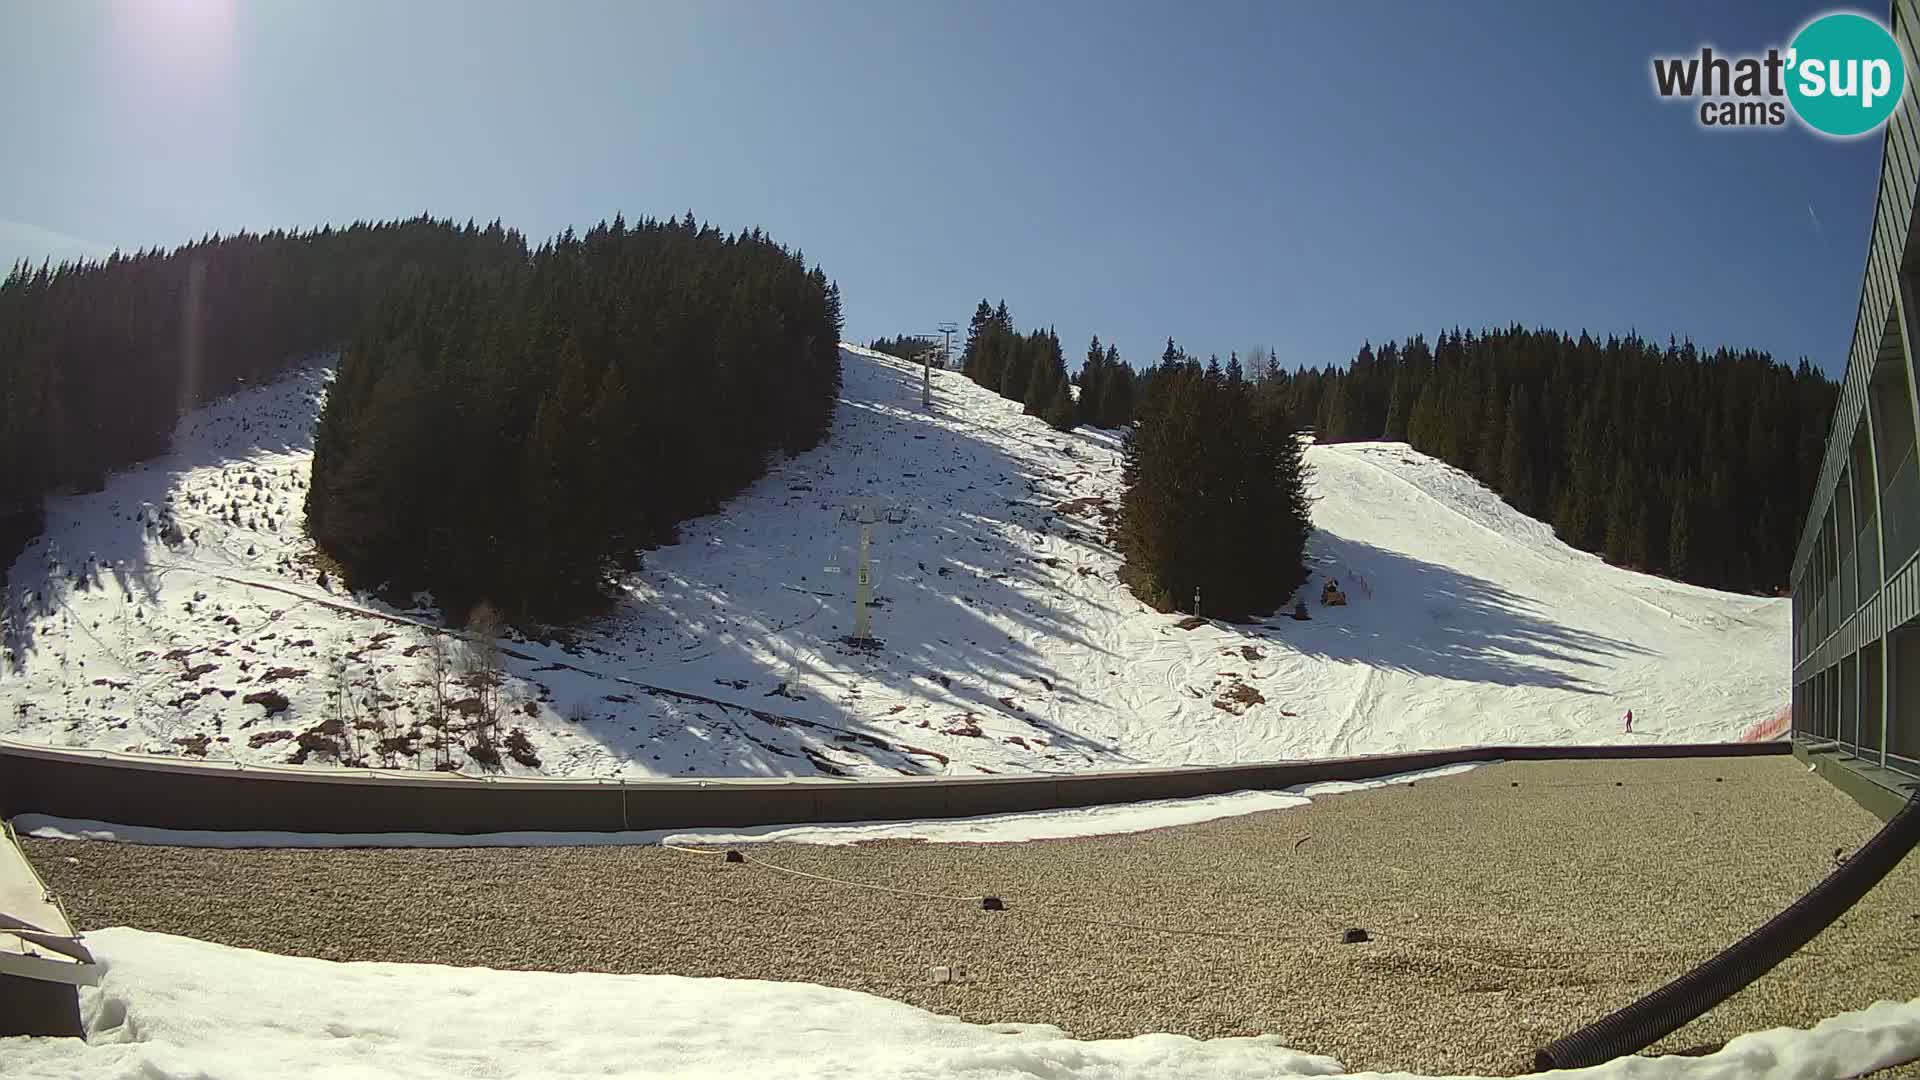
x=1038 y=393
x=1092 y=384
x=1620 y=510
x=977 y=329
x=1016 y=378
x=1548 y=420
x=517 y=435
x=1046 y=367
x=98 y=358
x=1117 y=391
x=1061 y=412
x=906 y=347
x=1399 y=407
x=1425 y=425
x=1215 y=504
x=1710 y=421
x=1466 y=415
x=1516 y=461
x=1572 y=516
x=996 y=346
x=1680 y=537
x=1640 y=539
x=1492 y=434
x=1333 y=425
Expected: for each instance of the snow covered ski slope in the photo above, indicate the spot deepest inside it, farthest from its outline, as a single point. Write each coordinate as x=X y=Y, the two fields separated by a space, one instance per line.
x=153 y=610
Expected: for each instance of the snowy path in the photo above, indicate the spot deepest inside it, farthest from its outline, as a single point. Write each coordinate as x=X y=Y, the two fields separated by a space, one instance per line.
x=1009 y=643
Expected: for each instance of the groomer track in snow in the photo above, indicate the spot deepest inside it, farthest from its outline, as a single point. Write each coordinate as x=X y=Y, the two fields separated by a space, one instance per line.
x=152 y=611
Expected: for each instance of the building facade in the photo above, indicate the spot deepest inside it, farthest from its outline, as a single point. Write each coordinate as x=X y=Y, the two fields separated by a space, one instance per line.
x=1856 y=581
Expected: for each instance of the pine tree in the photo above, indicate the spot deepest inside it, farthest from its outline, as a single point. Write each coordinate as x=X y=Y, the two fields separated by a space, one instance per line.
x=1426 y=425
x=1333 y=424
x=1061 y=412
x=1117 y=391
x=1215 y=502
x=1571 y=521
x=1038 y=394
x=1680 y=532
x=1466 y=415
x=1155 y=512
x=1493 y=434
x=470 y=442
x=1092 y=383
x=1016 y=379
x=1515 y=473
x=1619 y=512
x=976 y=330
x=996 y=346
x=1399 y=407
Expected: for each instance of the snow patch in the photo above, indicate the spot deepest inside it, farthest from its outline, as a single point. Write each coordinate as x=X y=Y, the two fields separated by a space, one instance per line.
x=170 y=1007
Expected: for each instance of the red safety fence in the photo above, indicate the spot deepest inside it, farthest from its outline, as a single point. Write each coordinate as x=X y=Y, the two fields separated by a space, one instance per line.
x=1773 y=727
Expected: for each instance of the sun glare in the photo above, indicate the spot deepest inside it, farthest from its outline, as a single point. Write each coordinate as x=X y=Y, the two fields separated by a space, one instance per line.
x=175 y=36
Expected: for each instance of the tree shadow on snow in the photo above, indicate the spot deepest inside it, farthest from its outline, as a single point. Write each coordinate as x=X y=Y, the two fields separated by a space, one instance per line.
x=122 y=540
x=1425 y=619
x=963 y=593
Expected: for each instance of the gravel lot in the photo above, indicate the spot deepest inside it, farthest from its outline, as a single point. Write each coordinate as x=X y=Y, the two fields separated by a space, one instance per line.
x=1502 y=916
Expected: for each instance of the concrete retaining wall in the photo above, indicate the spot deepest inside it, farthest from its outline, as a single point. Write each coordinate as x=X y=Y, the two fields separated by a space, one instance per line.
x=131 y=790
x=1879 y=790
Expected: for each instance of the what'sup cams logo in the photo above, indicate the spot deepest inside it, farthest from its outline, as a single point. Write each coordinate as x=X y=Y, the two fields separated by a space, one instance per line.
x=1843 y=75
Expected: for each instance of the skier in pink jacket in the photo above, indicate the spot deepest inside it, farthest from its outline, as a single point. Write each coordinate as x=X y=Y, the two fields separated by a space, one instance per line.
x=1629 y=721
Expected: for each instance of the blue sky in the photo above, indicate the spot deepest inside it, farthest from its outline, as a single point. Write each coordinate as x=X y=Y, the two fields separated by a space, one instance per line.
x=1231 y=174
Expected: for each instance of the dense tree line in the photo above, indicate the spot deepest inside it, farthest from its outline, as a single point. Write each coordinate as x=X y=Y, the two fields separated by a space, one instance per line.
x=99 y=358
x=1032 y=370
x=516 y=438
x=1215 y=516
x=1106 y=387
x=1027 y=368
x=907 y=347
x=1673 y=460
x=1215 y=503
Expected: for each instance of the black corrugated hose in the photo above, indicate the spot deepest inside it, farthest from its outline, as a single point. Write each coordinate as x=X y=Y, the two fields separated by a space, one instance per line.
x=1664 y=1011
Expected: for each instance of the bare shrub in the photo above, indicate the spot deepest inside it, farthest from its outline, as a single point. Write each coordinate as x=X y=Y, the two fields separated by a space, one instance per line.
x=480 y=657
x=439 y=673
x=520 y=748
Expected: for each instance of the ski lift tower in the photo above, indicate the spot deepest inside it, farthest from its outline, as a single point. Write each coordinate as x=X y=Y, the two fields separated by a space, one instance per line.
x=866 y=514
x=946 y=360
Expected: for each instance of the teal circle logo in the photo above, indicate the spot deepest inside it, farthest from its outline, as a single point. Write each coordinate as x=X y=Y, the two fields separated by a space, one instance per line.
x=1845 y=74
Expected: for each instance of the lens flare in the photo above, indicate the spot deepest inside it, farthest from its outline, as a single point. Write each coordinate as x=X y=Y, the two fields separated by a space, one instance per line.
x=175 y=40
